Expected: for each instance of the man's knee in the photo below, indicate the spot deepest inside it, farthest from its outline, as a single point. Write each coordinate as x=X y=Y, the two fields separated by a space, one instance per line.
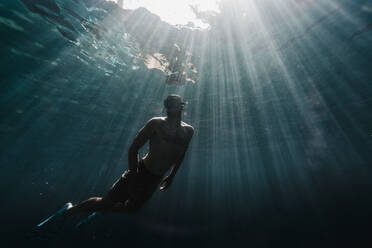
x=95 y=199
x=103 y=203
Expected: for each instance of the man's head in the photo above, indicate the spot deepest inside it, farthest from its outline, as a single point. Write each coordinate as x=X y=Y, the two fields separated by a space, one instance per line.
x=173 y=103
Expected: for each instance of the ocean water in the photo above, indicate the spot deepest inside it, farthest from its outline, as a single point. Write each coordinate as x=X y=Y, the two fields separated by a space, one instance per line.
x=279 y=94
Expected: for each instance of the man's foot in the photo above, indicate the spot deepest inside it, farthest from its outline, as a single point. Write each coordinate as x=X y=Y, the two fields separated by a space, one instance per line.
x=59 y=213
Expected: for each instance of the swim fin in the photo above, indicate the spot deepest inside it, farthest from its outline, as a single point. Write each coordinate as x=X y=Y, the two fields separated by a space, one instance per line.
x=87 y=219
x=55 y=215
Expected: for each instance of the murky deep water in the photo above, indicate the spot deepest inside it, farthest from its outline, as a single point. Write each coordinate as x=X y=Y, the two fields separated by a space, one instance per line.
x=279 y=93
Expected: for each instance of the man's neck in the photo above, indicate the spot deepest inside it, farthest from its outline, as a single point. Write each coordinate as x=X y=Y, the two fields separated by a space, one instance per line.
x=174 y=119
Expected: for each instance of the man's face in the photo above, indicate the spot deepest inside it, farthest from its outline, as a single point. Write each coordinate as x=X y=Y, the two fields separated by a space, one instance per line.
x=174 y=104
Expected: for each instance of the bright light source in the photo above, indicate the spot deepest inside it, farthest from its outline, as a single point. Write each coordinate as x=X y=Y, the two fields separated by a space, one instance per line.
x=174 y=12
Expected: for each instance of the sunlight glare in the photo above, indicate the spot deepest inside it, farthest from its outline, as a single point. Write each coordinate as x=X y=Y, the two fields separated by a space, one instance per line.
x=175 y=12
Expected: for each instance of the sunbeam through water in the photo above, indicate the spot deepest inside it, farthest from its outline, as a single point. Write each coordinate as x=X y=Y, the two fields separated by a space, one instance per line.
x=279 y=94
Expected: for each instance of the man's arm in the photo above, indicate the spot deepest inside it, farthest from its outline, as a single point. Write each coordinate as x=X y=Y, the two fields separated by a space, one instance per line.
x=177 y=165
x=178 y=162
x=168 y=179
x=141 y=138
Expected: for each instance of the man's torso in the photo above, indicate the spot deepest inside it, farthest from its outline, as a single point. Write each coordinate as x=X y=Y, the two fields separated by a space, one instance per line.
x=166 y=146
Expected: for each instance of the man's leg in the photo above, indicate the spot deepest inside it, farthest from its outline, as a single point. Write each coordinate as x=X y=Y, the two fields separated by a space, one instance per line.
x=118 y=193
x=93 y=204
x=129 y=207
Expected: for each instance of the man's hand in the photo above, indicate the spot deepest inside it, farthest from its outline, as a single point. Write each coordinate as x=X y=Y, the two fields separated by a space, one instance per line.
x=166 y=183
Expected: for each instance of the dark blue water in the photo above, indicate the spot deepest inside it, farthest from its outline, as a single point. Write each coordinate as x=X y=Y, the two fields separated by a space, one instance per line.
x=279 y=93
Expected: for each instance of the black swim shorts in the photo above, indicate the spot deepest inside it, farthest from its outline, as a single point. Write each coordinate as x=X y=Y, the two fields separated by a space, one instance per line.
x=144 y=185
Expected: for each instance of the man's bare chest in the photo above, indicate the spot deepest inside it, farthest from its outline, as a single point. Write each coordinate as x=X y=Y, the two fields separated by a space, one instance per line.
x=171 y=137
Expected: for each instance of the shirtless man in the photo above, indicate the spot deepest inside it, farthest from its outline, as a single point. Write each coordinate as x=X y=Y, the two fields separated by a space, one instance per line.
x=169 y=139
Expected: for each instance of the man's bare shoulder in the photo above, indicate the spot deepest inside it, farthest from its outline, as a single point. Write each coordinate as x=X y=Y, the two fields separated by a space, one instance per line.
x=156 y=120
x=188 y=129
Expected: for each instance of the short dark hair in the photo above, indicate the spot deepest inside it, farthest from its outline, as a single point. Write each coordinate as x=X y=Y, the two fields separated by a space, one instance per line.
x=174 y=100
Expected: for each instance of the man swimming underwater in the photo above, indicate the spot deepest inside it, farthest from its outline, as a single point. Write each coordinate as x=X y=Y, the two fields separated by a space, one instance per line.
x=169 y=139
